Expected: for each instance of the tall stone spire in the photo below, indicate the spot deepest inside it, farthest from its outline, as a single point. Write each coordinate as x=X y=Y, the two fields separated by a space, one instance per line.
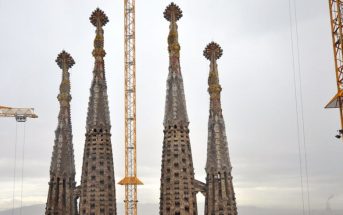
x=61 y=199
x=98 y=111
x=220 y=197
x=177 y=193
x=175 y=107
x=98 y=193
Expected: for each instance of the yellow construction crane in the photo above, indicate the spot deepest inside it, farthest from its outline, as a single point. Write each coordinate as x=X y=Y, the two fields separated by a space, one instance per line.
x=20 y=114
x=130 y=181
x=336 y=7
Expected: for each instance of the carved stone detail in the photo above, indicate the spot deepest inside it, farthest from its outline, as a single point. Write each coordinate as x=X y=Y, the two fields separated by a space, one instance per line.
x=220 y=197
x=62 y=183
x=177 y=192
x=97 y=190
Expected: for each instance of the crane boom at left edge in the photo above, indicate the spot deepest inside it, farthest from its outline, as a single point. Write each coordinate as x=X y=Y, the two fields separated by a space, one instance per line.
x=20 y=114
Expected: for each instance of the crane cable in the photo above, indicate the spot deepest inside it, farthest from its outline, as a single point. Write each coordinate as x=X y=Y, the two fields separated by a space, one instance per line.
x=15 y=167
x=299 y=108
x=302 y=110
x=22 y=169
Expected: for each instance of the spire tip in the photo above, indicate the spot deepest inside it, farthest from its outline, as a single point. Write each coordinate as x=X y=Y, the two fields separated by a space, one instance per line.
x=65 y=58
x=171 y=11
x=213 y=49
x=98 y=17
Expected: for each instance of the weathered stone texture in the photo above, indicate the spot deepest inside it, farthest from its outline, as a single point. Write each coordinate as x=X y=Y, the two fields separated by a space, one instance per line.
x=177 y=193
x=97 y=190
x=220 y=197
x=61 y=199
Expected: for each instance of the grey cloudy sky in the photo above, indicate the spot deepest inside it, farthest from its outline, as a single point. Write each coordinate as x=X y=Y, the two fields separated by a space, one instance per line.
x=255 y=72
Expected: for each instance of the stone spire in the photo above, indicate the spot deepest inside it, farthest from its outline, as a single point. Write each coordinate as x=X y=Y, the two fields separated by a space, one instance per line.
x=220 y=197
x=98 y=111
x=97 y=191
x=175 y=107
x=61 y=199
x=177 y=193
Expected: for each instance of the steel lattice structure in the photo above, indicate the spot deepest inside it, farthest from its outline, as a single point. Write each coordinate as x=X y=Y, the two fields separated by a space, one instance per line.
x=130 y=181
x=336 y=7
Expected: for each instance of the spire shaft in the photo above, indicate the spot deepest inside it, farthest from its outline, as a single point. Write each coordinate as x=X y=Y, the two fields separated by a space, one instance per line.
x=97 y=191
x=220 y=196
x=177 y=192
x=61 y=199
x=98 y=110
x=175 y=107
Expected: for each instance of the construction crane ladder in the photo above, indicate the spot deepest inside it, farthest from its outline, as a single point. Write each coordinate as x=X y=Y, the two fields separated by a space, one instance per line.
x=336 y=8
x=130 y=181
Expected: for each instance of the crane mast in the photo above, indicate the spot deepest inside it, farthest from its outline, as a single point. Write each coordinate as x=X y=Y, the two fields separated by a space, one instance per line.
x=336 y=7
x=130 y=181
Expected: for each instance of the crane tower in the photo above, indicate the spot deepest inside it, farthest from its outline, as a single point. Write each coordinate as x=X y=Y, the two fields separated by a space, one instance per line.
x=336 y=7
x=130 y=181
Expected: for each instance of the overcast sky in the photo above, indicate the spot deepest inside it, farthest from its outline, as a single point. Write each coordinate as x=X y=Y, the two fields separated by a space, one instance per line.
x=256 y=75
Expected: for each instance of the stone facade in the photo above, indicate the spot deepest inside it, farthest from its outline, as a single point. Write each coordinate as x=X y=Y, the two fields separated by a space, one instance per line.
x=61 y=200
x=220 y=197
x=97 y=190
x=177 y=193
x=178 y=190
